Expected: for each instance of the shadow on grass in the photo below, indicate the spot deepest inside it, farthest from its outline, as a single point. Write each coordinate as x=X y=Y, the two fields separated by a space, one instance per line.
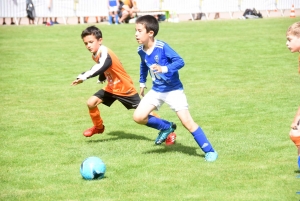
x=192 y=151
x=178 y=147
x=297 y=172
x=119 y=135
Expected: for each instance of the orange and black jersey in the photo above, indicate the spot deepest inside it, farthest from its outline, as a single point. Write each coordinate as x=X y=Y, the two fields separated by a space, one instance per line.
x=107 y=63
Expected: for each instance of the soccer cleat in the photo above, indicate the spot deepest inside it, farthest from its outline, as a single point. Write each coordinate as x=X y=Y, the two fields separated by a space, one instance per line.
x=211 y=156
x=171 y=139
x=91 y=131
x=163 y=134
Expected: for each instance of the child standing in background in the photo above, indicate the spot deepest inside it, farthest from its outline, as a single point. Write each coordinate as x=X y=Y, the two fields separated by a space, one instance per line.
x=293 y=44
x=113 y=6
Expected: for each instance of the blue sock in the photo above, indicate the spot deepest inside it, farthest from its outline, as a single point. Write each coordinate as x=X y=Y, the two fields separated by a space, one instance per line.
x=202 y=141
x=110 y=19
x=157 y=123
x=299 y=162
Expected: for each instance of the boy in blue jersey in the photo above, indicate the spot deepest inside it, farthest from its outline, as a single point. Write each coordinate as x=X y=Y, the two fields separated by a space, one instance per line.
x=162 y=63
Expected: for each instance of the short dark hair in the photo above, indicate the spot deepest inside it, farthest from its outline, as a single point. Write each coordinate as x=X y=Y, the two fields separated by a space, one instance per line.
x=92 y=30
x=150 y=23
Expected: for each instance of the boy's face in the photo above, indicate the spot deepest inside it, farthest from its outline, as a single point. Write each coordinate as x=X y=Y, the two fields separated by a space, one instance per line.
x=293 y=43
x=92 y=43
x=141 y=35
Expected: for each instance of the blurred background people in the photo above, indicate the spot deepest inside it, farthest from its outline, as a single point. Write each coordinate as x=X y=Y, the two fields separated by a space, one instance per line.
x=11 y=21
x=113 y=6
x=129 y=10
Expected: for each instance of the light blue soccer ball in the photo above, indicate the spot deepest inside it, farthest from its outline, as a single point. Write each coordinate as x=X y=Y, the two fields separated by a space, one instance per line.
x=92 y=168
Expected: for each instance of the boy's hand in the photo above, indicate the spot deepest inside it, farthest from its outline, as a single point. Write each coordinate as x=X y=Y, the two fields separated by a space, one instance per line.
x=156 y=68
x=142 y=91
x=295 y=124
x=77 y=81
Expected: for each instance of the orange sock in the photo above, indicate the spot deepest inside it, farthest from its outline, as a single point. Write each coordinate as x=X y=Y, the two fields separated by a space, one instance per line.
x=96 y=118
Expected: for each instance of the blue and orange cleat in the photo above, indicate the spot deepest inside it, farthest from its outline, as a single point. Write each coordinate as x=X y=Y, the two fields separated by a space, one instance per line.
x=171 y=139
x=163 y=134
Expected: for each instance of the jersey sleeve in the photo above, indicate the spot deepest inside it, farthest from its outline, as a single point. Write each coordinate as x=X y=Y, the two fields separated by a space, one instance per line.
x=175 y=61
x=105 y=62
x=143 y=68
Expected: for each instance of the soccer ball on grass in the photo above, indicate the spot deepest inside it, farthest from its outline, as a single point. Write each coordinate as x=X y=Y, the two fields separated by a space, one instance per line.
x=92 y=168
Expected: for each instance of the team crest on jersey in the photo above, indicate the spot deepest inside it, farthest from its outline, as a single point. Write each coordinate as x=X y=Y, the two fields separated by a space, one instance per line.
x=156 y=58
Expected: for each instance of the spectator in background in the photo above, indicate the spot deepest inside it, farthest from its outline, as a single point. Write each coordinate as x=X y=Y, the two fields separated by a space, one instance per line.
x=30 y=10
x=51 y=21
x=113 y=6
x=44 y=20
x=11 y=21
x=129 y=10
x=217 y=16
x=55 y=18
x=197 y=16
x=86 y=19
x=103 y=18
x=160 y=17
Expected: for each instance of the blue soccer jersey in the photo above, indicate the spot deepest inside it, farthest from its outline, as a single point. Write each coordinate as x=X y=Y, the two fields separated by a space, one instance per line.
x=163 y=55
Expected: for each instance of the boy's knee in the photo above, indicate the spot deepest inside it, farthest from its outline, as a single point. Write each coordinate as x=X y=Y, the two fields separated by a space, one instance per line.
x=91 y=104
x=139 y=119
x=136 y=118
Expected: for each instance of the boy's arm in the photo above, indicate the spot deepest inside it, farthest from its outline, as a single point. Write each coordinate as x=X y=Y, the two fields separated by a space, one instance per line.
x=97 y=69
x=175 y=61
x=143 y=67
x=143 y=77
x=104 y=63
x=143 y=72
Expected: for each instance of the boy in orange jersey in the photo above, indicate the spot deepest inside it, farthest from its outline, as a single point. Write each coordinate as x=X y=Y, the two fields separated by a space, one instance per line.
x=293 y=44
x=108 y=67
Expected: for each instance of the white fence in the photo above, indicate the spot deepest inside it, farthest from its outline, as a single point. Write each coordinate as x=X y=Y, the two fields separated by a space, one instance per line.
x=81 y=8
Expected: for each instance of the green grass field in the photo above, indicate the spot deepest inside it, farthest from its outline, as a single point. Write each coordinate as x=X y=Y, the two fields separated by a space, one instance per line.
x=241 y=82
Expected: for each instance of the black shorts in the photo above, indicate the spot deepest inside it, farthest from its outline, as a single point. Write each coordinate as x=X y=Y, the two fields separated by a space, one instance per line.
x=130 y=102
